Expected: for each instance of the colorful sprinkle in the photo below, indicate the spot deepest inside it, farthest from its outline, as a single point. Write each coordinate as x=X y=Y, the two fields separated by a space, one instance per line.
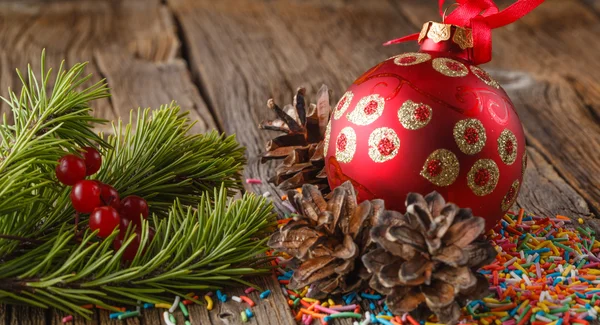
x=265 y=294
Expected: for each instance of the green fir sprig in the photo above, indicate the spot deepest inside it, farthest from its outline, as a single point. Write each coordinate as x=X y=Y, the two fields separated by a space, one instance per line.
x=154 y=157
x=203 y=238
x=215 y=244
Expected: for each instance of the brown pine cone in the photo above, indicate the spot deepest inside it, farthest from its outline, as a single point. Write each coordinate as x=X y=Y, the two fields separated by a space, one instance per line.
x=428 y=257
x=328 y=238
x=301 y=147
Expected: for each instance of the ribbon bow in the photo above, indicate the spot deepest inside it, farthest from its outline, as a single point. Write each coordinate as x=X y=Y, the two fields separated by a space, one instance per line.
x=481 y=16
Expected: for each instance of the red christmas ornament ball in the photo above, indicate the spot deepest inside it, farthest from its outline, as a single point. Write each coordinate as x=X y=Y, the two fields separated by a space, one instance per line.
x=428 y=121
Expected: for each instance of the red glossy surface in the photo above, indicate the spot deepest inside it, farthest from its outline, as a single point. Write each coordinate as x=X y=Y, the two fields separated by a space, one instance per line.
x=70 y=169
x=452 y=99
x=104 y=219
x=93 y=160
x=85 y=196
x=132 y=207
x=110 y=196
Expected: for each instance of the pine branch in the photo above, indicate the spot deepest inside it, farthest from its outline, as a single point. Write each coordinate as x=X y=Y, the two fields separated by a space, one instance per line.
x=193 y=249
x=45 y=125
x=203 y=240
x=161 y=162
x=156 y=159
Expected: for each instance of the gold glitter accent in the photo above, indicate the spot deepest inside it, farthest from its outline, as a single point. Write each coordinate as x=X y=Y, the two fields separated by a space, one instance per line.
x=469 y=130
x=339 y=110
x=524 y=163
x=485 y=77
x=463 y=37
x=439 y=32
x=505 y=139
x=491 y=175
x=406 y=115
x=358 y=115
x=419 y=58
x=423 y=32
x=441 y=65
x=326 y=139
x=448 y=167
x=376 y=147
x=347 y=154
x=508 y=201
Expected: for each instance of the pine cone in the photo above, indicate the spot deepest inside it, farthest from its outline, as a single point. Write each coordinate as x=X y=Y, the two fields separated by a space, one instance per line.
x=301 y=148
x=428 y=257
x=328 y=238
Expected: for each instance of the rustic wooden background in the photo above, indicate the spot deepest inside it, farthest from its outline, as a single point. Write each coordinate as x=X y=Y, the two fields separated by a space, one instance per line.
x=222 y=60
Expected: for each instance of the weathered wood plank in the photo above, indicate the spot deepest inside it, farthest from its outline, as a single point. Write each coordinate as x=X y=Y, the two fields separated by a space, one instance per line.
x=545 y=193
x=25 y=315
x=145 y=84
x=245 y=52
x=558 y=100
x=4 y=314
x=133 y=44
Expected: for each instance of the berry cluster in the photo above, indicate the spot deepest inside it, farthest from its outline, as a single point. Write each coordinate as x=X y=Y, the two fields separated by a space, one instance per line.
x=107 y=211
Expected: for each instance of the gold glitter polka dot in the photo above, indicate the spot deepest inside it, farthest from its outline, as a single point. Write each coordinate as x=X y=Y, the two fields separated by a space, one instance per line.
x=342 y=105
x=469 y=135
x=383 y=144
x=483 y=177
x=511 y=196
x=407 y=59
x=413 y=115
x=449 y=67
x=485 y=77
x=326 y=140
x=507 y=147
x=345 y=145
x=368 y=109
x=524 y=164
x=441 y=167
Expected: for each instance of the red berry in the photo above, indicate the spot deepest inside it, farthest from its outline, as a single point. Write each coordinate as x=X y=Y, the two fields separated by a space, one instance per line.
x=110 y=196
x=132 y=207
x=85 y=196
x=105 y=219
x=70 y=169
x=124 y=225
x=131 y=250
x=93 y=160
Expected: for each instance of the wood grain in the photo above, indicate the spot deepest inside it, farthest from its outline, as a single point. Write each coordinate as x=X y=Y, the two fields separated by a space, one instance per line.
x=25 y=315
x=132 y=43
x=223 y=59
x=545 y=193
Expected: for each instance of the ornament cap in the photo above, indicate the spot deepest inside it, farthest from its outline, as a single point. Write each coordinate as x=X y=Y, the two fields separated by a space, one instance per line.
x=441 y=37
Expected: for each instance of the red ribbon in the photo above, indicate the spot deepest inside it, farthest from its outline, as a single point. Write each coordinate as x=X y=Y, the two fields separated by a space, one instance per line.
x=481 y=16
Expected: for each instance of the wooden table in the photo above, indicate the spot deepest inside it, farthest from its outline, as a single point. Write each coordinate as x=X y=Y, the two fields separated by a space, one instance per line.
x=222 y=60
